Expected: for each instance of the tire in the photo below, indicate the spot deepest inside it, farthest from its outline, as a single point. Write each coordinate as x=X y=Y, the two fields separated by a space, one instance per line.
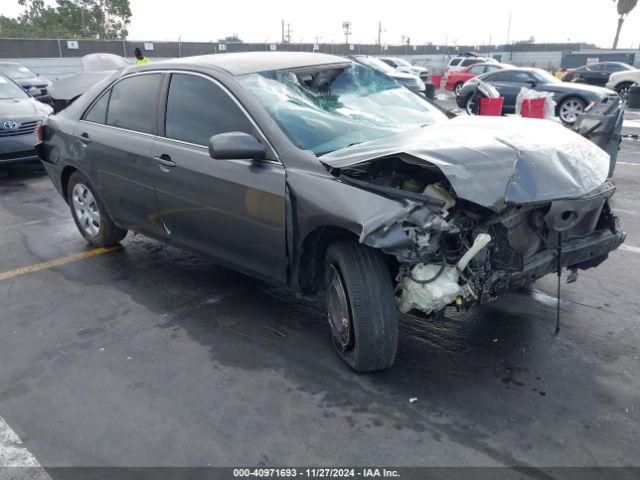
x=361 y=306
x=89 y=213
x=468 y=105
x=623 y=89
x=569 y=108
x=457 y=87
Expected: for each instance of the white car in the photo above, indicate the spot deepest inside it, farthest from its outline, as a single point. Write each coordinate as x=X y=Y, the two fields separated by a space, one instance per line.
x=460 y=63
x=403 y=66
x=622 y=81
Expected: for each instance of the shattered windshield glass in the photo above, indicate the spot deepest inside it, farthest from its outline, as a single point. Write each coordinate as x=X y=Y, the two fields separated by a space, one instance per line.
x=323 y=110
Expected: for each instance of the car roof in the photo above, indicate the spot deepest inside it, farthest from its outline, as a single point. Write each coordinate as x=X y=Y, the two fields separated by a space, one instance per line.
x=11 y=63
x=254 y=62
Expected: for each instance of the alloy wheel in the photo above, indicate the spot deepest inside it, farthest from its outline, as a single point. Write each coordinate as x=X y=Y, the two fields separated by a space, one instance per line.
x=570 y=109
x=86 y=209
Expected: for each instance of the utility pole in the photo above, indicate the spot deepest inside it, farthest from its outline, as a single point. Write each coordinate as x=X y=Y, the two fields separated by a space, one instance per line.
x=282 y=31
x=347 y=27
x=379 y=33
x=509 y=29
x=289 y=31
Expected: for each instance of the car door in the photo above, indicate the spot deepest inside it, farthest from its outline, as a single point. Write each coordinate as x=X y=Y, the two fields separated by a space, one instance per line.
x=115 y=138
x=233 y=210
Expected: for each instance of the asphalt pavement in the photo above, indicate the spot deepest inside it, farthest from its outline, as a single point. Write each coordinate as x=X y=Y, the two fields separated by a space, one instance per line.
x=150 y=356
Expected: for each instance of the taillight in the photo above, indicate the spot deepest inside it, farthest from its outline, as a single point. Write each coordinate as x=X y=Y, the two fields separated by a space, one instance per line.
x=40 y=132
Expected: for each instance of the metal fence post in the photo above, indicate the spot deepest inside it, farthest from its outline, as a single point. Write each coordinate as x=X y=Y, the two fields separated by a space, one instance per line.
x=59 y=48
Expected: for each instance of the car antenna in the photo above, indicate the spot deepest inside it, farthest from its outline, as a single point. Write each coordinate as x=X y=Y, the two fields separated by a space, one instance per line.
x=559 y=282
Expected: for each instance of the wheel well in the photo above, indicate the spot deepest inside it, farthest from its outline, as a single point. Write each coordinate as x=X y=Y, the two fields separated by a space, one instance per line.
x=64 y=180
x=313 y=251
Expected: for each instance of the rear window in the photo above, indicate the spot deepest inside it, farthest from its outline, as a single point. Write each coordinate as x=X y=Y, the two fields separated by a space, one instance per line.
x=454 y=62
x=471 y=61
x=133 y=102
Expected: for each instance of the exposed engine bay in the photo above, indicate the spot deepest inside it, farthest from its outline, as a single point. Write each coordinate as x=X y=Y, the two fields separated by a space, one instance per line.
x=452 y=252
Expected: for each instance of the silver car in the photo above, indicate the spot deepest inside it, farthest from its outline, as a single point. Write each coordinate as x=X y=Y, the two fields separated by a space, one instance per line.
x=20 y=117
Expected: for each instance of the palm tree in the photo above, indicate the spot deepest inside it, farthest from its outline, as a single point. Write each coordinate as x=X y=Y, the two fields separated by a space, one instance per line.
x=624 y=8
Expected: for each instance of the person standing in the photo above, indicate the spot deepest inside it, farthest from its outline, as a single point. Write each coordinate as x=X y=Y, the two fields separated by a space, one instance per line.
x=140 y=58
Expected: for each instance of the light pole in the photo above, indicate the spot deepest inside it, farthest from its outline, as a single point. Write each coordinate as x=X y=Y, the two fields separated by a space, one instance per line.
x=347 y=27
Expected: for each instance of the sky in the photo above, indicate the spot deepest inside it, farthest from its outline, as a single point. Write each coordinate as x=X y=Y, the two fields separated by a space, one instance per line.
x=470 y=22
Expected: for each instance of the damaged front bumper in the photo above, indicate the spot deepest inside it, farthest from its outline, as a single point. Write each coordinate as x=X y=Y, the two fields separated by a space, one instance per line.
x=581 y=253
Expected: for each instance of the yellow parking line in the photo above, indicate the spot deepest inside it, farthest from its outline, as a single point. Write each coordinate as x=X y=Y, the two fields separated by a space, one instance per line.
x=58 y=261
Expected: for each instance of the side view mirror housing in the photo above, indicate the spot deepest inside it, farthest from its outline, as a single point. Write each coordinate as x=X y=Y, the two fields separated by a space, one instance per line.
x=236 y=146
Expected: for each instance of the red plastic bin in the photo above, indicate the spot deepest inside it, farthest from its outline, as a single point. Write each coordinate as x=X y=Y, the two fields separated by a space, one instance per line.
x=437 y=80
x=533 y=108
x=491 y=107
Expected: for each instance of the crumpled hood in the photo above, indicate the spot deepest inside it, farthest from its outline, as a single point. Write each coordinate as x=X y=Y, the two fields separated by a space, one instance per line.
x=494 y=161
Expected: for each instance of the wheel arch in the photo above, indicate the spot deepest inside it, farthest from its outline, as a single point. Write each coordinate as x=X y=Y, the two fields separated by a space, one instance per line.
x=64 y=180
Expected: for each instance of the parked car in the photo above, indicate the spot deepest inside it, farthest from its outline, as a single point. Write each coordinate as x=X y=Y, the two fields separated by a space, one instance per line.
x=457 y=79
x=596 y=74
x=571 y=98
x=621 y=82
x=460 y=63
x=409 y=80
x=403 y=66
x=20 y=116
x=320 y=174
x=30 y=81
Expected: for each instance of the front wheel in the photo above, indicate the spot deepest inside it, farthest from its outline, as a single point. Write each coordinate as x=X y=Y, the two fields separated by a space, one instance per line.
x=569 y=109
x=458 y=88
x=470 y=105
x=623 y=89
x=89 y=213
x=361 y=306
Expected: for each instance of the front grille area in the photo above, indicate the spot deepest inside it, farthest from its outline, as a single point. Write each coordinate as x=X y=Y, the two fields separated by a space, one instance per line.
x=23 y=129
x=14 y=155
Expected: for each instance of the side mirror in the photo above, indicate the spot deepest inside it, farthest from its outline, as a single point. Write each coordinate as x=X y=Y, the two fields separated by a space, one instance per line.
x=236 y=146
x=532 y=83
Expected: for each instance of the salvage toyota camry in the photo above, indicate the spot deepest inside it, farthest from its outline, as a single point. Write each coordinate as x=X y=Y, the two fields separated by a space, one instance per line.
x=320 y=174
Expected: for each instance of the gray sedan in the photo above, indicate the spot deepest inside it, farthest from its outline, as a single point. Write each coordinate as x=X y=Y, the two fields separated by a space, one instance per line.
x=20 y=117
x=571 y=98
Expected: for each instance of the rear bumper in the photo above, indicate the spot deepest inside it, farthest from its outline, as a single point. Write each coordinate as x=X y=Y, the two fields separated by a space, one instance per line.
x=581 y=252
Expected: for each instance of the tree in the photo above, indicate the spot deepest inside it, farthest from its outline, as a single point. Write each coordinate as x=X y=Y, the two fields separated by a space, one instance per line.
x=624 y=9
x=70 y=19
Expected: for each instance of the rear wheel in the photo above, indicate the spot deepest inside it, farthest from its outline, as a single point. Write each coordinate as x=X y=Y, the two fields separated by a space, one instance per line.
x=623 y=89
x=89 y=213
x=470 y=105
x=569 y=109
x=361 y=306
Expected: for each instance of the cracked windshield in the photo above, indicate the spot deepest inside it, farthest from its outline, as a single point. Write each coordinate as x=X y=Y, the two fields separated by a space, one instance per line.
x=325 y=110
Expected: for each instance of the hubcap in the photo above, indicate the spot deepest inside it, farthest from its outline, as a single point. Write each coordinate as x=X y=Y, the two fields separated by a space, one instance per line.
x=338 y=309
x=624 y=91
x=570 y=110
x=457 y=89
x=86 y=209
x=469 y=107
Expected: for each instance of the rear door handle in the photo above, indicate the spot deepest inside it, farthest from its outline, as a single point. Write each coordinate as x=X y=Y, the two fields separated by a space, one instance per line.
x=84 y=138
x=164 y=160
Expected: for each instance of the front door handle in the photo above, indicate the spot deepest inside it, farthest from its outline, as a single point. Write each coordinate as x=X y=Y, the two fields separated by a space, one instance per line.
x=84 y=137
x=164 y=160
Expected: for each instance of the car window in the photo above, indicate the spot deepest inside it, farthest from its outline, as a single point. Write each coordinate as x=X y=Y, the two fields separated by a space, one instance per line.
x=491 y=68
x=476 y=70
x=9 y=90
x=470 y=61
x=595 y=68
x=510 y=76
x=98 y=112
x=197 y=108
x=132 y=103
x=389 y=62
x=614 y=68
x=454 y=62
